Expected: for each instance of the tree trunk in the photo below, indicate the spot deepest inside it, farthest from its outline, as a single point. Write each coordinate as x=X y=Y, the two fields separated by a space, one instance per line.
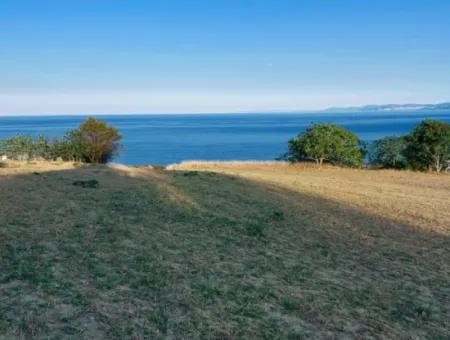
x=438 y=166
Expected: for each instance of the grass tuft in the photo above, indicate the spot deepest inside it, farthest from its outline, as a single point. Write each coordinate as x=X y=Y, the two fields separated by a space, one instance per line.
x=92 y=183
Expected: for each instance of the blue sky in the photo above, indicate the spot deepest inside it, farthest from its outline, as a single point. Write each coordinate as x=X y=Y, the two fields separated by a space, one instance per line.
x=158 y=56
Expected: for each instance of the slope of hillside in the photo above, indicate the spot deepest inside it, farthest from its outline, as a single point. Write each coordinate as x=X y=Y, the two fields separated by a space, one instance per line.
x=227 y=252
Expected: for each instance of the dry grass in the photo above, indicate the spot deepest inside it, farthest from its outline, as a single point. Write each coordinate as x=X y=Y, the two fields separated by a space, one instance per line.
x=255 y=251
x=17 y=167
x=420 y=199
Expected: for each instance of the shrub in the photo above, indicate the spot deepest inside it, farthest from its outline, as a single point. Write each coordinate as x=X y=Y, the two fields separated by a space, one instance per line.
x=94 y=142
x=388 y=152
x=97 y=140
x=73 y=147
x=18 y=147
x=40 y=148
x=428 y=145
x=327 y=142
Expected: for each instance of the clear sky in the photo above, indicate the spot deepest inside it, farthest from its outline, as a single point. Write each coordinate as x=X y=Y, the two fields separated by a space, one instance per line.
x=158 y=56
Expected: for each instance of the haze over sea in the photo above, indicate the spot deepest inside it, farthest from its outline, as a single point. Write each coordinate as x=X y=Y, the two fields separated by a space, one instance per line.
x=165 y=139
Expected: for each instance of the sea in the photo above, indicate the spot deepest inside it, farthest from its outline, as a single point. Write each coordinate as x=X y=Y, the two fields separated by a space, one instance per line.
x=172 y=138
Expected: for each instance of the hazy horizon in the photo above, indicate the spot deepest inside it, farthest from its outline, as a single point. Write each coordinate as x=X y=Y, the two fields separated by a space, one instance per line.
x=324 y=110
x=161 y=57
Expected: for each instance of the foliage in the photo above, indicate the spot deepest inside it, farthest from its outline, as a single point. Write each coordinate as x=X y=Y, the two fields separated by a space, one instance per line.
x=99 y=140
x=388 y=152
x=428 y=145
x=18 y=147
x=41 y=147
x=94 y=141
x=72 y=147
x=327 y=142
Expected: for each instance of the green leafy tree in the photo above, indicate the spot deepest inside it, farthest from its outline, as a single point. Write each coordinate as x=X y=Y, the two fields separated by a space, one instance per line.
x=428 y=145
x=327 y=142
x=98 y=141
x=388 y=152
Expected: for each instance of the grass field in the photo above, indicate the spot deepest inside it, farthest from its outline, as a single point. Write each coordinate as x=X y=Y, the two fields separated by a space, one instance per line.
x=223 y=250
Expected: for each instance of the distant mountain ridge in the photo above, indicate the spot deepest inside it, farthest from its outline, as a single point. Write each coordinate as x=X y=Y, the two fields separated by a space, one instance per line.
x=391 y=107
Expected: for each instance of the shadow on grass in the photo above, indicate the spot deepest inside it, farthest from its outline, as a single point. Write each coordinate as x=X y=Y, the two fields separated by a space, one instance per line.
x=196 y=254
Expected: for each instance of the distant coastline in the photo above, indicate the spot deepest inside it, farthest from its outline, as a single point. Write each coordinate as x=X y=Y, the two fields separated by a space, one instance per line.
x=391 y=108
x=384 y=108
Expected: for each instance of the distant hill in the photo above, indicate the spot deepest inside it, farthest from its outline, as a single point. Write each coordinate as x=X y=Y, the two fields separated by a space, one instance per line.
x=391 y=107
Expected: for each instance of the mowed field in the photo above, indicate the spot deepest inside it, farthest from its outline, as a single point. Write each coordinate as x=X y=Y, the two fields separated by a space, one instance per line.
x=223 y=251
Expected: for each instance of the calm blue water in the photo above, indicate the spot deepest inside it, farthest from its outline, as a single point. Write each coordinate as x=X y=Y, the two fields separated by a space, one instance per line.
x=164 y=139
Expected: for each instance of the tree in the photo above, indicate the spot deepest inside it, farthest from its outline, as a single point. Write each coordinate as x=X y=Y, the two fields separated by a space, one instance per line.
x=99 y=140
x=428 y=145
x=388 y=152
x=327 y=142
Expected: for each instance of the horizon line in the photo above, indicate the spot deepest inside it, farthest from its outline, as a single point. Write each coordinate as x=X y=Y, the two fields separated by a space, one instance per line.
x=327 y=109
